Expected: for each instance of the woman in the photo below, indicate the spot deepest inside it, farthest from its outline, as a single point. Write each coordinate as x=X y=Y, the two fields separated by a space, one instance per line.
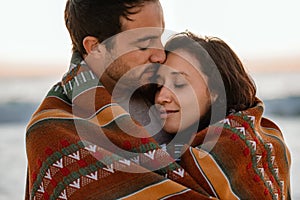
x=205 y=94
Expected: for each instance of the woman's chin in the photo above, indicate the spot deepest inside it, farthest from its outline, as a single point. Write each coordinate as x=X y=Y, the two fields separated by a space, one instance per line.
x=171 y=130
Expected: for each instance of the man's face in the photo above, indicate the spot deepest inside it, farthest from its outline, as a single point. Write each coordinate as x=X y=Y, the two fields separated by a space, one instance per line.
x=137 y=46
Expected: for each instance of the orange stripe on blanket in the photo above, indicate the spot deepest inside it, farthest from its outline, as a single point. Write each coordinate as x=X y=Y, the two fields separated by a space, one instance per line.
x=49 y=114
x=108 y=114
x=157 y=191
x=214 y=174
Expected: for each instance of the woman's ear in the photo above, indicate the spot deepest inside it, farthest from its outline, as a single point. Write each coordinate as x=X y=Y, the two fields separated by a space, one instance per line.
x=90 y=44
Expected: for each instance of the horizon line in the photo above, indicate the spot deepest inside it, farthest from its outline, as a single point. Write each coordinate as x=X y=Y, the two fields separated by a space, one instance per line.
x=37 y=69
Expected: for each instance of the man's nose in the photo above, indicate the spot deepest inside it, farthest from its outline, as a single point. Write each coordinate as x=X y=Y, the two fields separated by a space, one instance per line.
x=158 y=54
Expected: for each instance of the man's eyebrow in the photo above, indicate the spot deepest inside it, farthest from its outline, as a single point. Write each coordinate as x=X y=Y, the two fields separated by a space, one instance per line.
x=150 y=37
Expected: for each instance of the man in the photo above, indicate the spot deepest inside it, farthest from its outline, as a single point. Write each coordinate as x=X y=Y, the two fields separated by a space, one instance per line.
x=80 y=143
x=125 y=59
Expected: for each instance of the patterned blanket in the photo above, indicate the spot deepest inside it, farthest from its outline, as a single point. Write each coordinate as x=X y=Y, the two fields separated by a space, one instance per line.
x=82 y=145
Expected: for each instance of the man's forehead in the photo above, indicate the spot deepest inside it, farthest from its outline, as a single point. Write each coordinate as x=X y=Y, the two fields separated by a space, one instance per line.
x=129 y=40
x=148 y=33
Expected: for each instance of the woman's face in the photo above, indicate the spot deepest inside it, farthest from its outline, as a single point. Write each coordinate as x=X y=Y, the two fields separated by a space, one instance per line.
x=182 y=96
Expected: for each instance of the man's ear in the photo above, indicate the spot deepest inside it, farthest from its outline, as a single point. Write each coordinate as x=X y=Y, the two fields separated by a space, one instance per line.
x=90 y=44
x=96 y=55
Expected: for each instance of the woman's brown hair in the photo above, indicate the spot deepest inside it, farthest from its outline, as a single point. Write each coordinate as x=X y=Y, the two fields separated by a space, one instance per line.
x=239 y=87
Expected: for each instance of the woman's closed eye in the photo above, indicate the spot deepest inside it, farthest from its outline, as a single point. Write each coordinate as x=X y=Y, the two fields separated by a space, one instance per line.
x=179 y=81
x=179 y=85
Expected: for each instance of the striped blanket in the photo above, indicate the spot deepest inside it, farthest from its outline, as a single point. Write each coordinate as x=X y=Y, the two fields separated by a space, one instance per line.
x=82 y=145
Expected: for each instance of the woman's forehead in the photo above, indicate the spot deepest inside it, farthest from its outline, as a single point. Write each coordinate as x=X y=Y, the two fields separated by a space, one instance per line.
x=180 y=61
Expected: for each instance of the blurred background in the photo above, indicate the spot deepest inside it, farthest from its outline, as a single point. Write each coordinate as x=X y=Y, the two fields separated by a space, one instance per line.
x=35 y=50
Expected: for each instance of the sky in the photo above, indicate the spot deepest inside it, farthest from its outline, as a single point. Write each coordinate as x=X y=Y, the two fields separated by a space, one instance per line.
x=33 y=34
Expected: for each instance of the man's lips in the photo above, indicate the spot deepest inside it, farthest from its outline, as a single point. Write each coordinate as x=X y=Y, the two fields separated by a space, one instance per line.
x=150 y=69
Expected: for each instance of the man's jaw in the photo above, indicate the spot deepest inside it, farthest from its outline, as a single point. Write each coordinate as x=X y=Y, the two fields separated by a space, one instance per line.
x=150 y=68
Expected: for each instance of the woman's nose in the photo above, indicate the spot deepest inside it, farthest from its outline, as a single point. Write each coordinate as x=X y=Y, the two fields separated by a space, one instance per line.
x=164 y=95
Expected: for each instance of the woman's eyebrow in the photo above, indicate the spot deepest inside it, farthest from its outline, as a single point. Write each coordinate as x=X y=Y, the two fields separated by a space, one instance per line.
x=179 y=73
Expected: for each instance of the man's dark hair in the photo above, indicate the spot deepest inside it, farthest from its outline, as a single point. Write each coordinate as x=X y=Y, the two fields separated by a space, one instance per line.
x=97 y=18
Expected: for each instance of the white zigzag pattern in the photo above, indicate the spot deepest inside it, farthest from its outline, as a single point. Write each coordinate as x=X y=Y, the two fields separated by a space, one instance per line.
x=136 y=159
x=91 y=148
x=253 y=144
x=180 y=172
x=75 y=184
x=59 y=163
x=63 y=195
x=48 y=175
x=258 y=158
x=93 y=176
x=150 y=154
x=41 y=188
x=125 y=161
x=75 y=155
x=109 y=168
x=262 y=171
x=242 y=130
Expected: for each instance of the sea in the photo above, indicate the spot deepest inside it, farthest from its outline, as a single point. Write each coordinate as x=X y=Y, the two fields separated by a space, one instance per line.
x=19 y=97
